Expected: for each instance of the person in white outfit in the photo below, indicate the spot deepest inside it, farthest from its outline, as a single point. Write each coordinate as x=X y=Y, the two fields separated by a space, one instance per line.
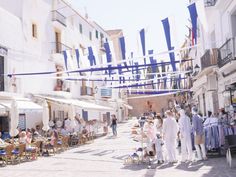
x=199 y=138
x=158 y=122
x=185 y=136
x=170 y=130
x=159 y=150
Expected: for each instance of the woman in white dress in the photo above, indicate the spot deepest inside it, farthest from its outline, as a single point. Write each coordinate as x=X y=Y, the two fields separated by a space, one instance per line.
x=158 y=123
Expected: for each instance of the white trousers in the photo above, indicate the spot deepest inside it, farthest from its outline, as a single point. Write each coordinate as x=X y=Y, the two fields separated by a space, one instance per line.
x=186 y=148
x=171 y=149
x=159 y=155
x=201 y=153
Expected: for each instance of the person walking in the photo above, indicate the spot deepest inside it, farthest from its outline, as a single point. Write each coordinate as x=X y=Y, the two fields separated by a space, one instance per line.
x=185 y=136
x=114 y=124
x=170 y=130
x=159 y=150
x=158 y=123
x=199 y=138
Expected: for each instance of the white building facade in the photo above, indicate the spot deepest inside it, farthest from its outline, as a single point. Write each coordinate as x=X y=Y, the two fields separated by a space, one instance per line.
x=34 y=37
x=214 y=85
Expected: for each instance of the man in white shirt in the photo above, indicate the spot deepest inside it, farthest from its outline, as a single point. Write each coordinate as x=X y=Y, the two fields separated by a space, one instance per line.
x=185 y=136
x=170 y=130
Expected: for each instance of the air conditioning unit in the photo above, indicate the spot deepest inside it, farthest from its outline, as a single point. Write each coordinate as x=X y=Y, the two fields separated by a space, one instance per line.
x=211 y=83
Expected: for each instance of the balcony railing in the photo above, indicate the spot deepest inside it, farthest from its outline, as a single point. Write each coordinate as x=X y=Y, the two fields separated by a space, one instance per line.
x=209 y=58
x=86 y=91
x=106 y=92
x=57 y=16
x=58 y=47
x=226 y=52
x=209 y=3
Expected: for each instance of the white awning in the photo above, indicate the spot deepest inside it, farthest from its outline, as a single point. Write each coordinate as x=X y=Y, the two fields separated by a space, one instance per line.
x=2 y=110
x=78 y=103
x=128 y=106
x=22 y=105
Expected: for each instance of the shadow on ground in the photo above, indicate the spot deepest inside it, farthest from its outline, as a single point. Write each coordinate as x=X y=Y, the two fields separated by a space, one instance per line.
x=190 y=166
x=85 y=151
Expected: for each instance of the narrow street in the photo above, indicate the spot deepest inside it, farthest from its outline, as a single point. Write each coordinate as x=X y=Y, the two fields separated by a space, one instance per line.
x=105 y=156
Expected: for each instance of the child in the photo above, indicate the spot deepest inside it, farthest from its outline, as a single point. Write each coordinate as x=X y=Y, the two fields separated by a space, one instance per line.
x=158 y=144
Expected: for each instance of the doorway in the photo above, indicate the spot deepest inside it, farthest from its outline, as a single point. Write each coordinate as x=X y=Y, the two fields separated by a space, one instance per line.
x=58 y=42
x=4 y=124
x=1 y=73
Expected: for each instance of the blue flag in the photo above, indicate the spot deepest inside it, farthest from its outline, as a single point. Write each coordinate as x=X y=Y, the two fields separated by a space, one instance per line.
x=122 y=47
x=108 y=56
x=65 y=59
x=91 y=56
x=142 y=37
x=193 y=15
x=165 y=23
x=77 y=57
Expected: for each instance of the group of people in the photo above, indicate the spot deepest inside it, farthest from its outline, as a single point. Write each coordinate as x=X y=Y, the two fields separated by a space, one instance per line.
x=176 y=128
x=73 y=126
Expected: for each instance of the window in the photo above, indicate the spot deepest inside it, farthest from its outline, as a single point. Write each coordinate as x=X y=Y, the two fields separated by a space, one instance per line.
x=34 y=30
x=85 y=115
x=90 y=35
x=80 y=28
x=97 y=34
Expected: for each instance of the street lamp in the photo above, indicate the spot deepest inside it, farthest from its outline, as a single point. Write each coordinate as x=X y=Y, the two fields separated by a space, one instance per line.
x=189 y=71
x=196 y=68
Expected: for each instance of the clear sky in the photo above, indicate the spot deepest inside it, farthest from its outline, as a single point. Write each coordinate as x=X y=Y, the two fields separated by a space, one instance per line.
x=133 y=15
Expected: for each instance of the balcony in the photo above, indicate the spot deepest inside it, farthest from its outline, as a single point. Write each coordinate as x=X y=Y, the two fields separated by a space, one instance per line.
x=106 y=92
x=58 y=47
x=226 y=53
x=210 y=3
x=86 y=91
x=58 y=17
x=209 y=58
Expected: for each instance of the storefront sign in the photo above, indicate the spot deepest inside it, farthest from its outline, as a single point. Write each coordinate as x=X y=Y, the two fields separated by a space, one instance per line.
x=230 y=87
x=3 y=51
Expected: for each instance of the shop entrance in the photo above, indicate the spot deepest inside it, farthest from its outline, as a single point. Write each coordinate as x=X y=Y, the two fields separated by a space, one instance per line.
x=4 y=124
x=231 y=89
x=1 y=73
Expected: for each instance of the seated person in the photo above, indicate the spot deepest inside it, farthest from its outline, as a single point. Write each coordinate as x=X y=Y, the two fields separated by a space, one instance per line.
x=85 y=132
x=149 y=150
x=64 y=132
x=1 y=140
x=22 y=137
x=52 y=141
x=28 y=139
x=54 y=138
x=39 y=130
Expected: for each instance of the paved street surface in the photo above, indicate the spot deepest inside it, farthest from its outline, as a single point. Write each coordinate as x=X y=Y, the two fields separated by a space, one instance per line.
x=104 y=158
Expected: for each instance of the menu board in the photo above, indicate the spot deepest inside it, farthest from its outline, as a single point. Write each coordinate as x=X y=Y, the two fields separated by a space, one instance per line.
x=22 y=121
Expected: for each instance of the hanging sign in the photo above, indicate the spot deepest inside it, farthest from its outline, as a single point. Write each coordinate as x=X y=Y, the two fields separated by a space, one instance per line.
x=3 y=51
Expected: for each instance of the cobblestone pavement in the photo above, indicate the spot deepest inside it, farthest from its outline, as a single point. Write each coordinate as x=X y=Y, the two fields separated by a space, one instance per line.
x=104 y=158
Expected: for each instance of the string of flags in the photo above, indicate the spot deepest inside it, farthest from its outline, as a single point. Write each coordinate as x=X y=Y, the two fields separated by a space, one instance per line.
x=138 y=72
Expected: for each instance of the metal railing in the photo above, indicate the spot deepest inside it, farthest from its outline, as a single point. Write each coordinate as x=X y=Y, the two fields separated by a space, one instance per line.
x=226 y=52
x=209 y=58
x=86 y=91
x=210 y=3
x=58 y=47
x=57 y=16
